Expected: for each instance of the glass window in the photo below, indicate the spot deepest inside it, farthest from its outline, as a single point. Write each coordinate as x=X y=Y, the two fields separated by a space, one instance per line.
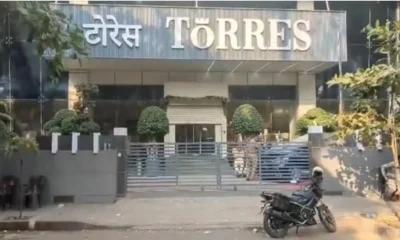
x=52 y=106
x=149 y=3
x=358 y=57
x=105 y=114
x=382 y=10
x=107 y=92
x=250 y=4
x=221 y=4
x=25 y=71
x=111 y=113
x=195 y=138
x=323 y=91
x=262 y=92
x=360 y=14
x=56 y=90
x=276 y=114
x=150 y=93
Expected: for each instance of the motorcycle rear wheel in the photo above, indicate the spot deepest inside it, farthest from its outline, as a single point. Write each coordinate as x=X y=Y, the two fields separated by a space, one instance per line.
x=275 y=228
x=327 y=219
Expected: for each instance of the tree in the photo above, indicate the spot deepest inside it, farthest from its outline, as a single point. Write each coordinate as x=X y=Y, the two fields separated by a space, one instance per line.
x=153 y=123
x=4 y=112
x=47 y=28
x=247 y=121
x=5 y=121
x=10 y=140
x=365 y=117
x=14 y=145
x=87 y=93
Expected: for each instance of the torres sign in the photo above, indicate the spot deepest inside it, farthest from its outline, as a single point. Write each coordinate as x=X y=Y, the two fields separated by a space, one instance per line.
x=274 y=35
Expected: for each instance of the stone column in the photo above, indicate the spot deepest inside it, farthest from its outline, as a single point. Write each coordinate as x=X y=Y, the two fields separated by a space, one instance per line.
x=305 y=5
x=306 y=94
x=75 y=78
x=81 y=2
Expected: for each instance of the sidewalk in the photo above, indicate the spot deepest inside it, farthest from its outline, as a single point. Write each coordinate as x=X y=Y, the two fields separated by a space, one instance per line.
x=186 y=212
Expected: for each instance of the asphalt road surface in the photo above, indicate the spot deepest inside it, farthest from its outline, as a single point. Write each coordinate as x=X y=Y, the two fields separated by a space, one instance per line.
x=315 y=233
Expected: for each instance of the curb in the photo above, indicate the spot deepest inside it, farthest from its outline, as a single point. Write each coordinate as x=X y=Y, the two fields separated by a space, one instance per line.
x=26 y=225
x=55 y=226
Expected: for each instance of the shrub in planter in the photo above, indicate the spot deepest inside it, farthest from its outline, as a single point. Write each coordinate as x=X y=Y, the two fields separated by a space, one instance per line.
x=66 y=121
x=247 y=121
x=63 y=114
x=81 y=118
x=153 y=122
x=55 y=129
x=87 y=128
x=68 y=125
x=50 y=125
x=319 y=117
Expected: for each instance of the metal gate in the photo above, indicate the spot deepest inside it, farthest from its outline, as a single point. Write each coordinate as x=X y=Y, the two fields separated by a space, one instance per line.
x=211 y=166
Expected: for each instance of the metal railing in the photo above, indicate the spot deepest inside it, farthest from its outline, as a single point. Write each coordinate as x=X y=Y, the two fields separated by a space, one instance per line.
x=214 y=165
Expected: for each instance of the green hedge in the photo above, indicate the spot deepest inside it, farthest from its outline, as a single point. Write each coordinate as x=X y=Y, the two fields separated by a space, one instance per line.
x=247 y=121
x=316 y=116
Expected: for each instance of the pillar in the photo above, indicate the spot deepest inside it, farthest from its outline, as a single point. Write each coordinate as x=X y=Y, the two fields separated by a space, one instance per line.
x=82 y=2
x=305 y=5
x=75 y=78
x=306 y=94
x=169 y=141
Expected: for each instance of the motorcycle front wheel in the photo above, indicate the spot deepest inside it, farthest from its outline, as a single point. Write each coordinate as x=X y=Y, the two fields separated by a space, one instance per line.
x=275 y=228
x=327 y=219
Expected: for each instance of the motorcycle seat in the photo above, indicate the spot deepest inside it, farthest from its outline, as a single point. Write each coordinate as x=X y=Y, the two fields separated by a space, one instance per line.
x=298 y=197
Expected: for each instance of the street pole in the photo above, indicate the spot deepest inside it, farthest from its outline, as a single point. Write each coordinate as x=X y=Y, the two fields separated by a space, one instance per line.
x=9 y=42
x=339 y=49
x=41 y=94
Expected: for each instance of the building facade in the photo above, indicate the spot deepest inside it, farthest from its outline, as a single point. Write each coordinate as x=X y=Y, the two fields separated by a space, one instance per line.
x=198 y=58
x=205 y=58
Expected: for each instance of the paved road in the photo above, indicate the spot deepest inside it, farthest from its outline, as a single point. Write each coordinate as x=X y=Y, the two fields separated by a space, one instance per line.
x=180 y=235
x=351 y=229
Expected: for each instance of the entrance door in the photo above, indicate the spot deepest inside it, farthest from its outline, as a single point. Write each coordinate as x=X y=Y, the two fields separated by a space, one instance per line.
x=195 y=138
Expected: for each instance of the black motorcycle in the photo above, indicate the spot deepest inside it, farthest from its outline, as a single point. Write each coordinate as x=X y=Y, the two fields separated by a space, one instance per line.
x=282 y=212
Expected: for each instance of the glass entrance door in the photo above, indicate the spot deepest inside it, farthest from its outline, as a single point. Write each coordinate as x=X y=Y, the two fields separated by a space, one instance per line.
x=195 y=138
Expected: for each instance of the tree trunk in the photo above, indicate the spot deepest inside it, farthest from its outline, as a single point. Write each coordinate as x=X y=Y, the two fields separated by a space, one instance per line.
x=395 y=158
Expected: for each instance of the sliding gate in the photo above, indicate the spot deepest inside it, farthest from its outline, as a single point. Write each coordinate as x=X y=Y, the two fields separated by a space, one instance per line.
x=213 y=166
